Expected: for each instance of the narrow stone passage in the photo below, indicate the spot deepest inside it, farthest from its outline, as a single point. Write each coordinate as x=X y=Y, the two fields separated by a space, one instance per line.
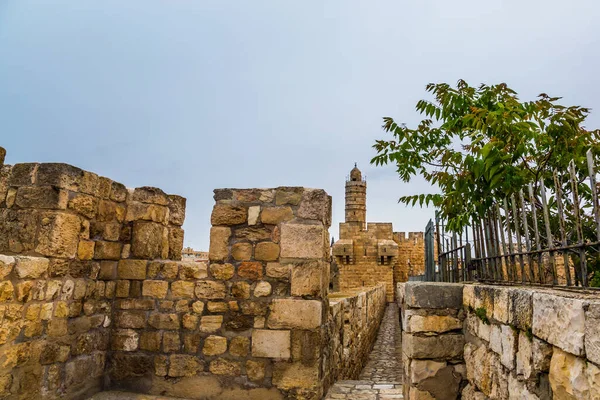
x=381 y=379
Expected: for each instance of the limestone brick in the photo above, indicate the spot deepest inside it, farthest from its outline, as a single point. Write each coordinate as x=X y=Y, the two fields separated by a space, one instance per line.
x=291 y=313
x=276 y=215
x=302 y=241
x=271 y=343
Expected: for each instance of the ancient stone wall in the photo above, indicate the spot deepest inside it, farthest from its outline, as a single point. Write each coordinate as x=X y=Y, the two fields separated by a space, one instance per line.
x=354 y=319
x=66 y=238
x=411 y=255
x=531 y=343
x=520 y=343
x=432 y=339
x=352 y=276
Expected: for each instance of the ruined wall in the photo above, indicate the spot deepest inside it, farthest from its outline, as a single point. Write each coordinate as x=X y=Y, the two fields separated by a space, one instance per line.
x=354 y=319
x=432 y=339
x=63 y=232
x=531 y=343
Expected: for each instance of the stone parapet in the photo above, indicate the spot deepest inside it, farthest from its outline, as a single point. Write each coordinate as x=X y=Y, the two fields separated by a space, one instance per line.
x=432 y=339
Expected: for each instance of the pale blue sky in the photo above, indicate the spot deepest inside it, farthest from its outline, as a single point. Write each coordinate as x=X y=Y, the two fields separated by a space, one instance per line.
x=193 y=95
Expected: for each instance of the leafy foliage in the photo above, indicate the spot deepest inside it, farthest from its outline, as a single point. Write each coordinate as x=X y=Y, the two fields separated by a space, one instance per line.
x=481 y=144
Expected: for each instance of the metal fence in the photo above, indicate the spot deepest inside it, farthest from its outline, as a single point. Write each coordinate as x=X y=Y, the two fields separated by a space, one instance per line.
x=525 y=238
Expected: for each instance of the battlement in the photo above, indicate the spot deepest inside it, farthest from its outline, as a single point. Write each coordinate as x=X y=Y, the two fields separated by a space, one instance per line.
x=413 y=237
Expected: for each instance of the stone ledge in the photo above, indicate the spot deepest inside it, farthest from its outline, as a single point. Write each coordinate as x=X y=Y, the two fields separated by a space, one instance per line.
x=433 y=295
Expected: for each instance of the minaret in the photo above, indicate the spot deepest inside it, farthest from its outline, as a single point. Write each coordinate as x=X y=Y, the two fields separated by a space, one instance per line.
x=356 y=198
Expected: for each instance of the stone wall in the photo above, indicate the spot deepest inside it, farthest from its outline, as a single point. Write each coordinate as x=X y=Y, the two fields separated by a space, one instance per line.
x=531 y=343
x=352 y=276
x=354 y=319
x=432 y=339
x=411 y=255
x=520 y=342
x=66 y=237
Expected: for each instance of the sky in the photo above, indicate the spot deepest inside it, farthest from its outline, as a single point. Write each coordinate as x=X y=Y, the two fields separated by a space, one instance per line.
x=189 y=96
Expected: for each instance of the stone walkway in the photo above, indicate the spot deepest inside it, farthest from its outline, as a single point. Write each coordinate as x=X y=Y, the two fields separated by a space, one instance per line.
x=381 y=379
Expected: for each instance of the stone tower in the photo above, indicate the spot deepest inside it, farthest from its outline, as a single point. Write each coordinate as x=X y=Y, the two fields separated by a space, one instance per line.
x=356 y=198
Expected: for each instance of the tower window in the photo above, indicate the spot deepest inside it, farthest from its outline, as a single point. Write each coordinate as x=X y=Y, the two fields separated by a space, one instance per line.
x=382 y=260
x=347 y=259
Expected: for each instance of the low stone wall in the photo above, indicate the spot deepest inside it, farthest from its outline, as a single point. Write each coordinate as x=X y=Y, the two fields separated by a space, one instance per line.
x=358 y=275
x=432 y=339
x=354 y=319
x=520 y=342
x=531 y=343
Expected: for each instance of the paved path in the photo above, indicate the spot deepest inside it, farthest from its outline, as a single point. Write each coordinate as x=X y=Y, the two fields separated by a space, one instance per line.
x=381 y=379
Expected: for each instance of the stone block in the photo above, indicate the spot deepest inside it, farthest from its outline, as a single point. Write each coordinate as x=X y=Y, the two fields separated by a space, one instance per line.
x=183 y=289
x=288 y=376
x=240 y=290
x=288 y=195
x=308 y=278
x=133 y=319
x=211 y=323
x=255 y=370
x=84 y=204
x=31 y=267
x=132 y=269
x=295 y=314
x=568 y=375
x=192 y=270
x=222 y=271
x=221 y=366
x=253 y=213
x=552 y=314
x=219 y=243
x=164 y=321
x=214 y=345
x=184 y=365
x=278 y=271
x=266 y=251
x=175 y=243
x=228 y=214
x=592 y=333
x=271 y=343
x=85 y=249
x=541 y=355
x=239 y=346
x=147 y=212
x=250 y=270
x=58 y=235
x=7 y=264
x=315 y=205
x=435 y=295
x=524 y=356
x=276 y=215
x=501 y=305
x=156 y=289
x=42 y=197
x=520 y=308
x=150 y=341
x=147 y=194
x=171 y=342
x=447 y=346
x=148 y=240
x=107 y=250
x=430 y=323
x=262 y=289
x=241 y=251
x=125 y=340
x=206 y=289
x=302 y=241
x=176 y=209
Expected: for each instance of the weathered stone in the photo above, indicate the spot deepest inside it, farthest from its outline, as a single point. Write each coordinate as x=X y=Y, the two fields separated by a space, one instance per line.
x=541 y=355
x=470 y=393
x=132 y=269
x=7 y=264
x=171 y=342
x=40 y=197
x=271 y=343
x=520 y=308
x=290 y=313
x=176 y=209
x=125 y=340
x=109 y=211
x=130 y=319
x=568 y=375
x=501 y=305
x=315 y=205
x=254 y=308
x=288 y=195
x=147 y=194
x=241 y=251
x=107 y=250
x=157 y=289
x=302 y=241
x=6 y=291
x=206 y=289
x=253 y=213
x=551 y=314
x=184 y=365
x=308 y=278
x=219 y=243
x=262 y=289
x=288 y=376
x=253 y=234
x=503 y=341
x=192 y=271
x=58 y=235
x=182 y=289
x=163 y=321
x=175 y=243
x=524 y=356
x=266 y=251
x=276 y=215
x=148 y=240
x=240 y=290
x=255 y=370
x=214 y=345
x=147 y=212
x=211 y=323
x=222 y=271
x=239 y=346
x=31 y=267
x=150 y=341
x=250 y=270
x=433 y=295
x=217 y=306
x=84 y=204
x=448 y=346
x=221 y=366
x=431 y=323
x=227 y=214
x=278 y=271
x=592 y=333
x=85 y=249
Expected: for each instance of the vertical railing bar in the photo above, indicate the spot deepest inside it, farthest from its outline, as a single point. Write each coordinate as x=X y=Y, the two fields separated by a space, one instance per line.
x=574 y=189
x=536 y=231
x=447 y=272
x=504 y=250
x=549 y=238
x=592 y=172
x=489 y=249
x=468 y=261
x=496 y=244
x=439 y=246
x=455 y=258
x=561 y=224
x=462 y=256
x=511 y=248
x=475 y=228
x=519 y=241
x=526 y=234
x=484 y=254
